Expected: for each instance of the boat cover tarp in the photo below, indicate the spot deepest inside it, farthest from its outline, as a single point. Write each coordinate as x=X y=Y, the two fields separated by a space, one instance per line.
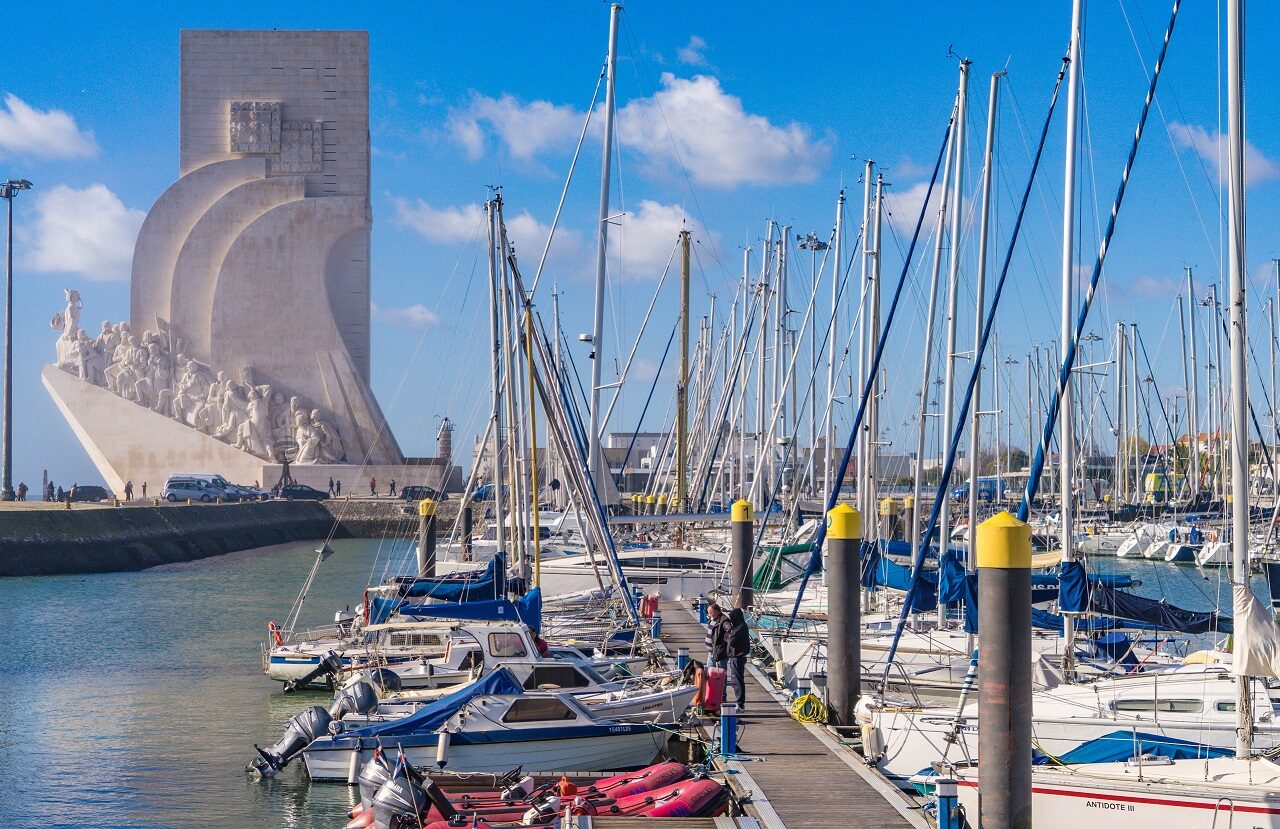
x=430 y=717
x=1044 y=620
x=1119 y=746
x=1256 y=644
x=1112 y=602
x=527 y=609
x=879 y=571
x=476 y=586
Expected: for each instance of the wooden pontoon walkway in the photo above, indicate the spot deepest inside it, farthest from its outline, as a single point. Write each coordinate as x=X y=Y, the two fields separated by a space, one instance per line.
x=796 y=776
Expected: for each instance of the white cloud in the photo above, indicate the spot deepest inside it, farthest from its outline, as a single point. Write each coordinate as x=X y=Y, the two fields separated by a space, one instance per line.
x=416 y=316
x=647 y=236
x=89 y=232
x=689 y=122
x=525 y=129
x=448 y=225
x=903 y=207
x=25 y=130
x=694 y=122
x=692 y=53
x=1209 y=146
x=1151 y=287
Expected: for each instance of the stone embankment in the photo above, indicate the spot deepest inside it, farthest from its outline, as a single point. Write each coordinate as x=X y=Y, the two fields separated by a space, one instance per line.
x=87 y=539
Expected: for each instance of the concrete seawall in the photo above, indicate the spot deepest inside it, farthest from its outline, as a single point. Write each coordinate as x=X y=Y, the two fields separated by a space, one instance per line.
x=40 y=542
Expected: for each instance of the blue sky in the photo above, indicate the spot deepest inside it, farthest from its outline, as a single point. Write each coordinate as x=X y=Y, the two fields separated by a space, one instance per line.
x=770 y=110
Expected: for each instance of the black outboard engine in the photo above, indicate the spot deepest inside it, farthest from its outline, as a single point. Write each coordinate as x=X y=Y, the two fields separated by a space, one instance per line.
x=330 y=665
x=400 y=804
x=384 y=678
x=375 y=772
x=298 y=734
x=356 y=698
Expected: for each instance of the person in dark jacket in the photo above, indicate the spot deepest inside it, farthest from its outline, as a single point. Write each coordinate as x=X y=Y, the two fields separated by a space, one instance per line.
x=717 y=643
x=738 y=639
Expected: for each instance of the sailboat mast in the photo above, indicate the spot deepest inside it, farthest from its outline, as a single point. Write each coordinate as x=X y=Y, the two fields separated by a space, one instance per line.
x=829 y=443
x=1066 y=423
x=984 y=229
x=495 y=335
x=682 y=387
x=953 y=294
x=602 y=241
x=1239 y=342
x=873 y=333
x=1193 y=407
x=864 y=350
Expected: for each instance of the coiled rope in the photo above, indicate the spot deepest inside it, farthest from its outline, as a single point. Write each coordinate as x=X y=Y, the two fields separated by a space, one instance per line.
x=809 y=709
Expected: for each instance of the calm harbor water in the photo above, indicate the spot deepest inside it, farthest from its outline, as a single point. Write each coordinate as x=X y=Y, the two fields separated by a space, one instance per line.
x=134 y=699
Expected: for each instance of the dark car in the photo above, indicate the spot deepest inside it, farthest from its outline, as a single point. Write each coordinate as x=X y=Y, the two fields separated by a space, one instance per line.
x=417 y=493
x=302 y=492
x=90 y=494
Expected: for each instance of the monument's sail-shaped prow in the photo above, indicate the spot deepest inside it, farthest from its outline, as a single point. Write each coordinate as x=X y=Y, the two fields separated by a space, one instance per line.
x=250 y=293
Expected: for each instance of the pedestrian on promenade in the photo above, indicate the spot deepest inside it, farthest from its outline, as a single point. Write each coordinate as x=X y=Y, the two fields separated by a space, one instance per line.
x=144 y=490
x=128 y=490
x=331 y=487
x=373 y=487
x=337 y=488
x=717 y=645
x=393 y=488
x=22 y=491
x=739 y=647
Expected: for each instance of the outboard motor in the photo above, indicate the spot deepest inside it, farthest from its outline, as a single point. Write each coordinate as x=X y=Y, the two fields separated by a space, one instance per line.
x=519 y=791
x=385 y=679
x=298 y=734
x=375 y=772
x=357 y=698
x=329 y=666
x=543 y=812
x=400 y=803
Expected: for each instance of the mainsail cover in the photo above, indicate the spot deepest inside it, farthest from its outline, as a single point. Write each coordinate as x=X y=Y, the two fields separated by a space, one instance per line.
x=1112 y=602
x=1256 y=649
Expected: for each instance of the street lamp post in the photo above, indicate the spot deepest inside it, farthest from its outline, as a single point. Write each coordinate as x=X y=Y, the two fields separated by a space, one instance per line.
x=8 y=191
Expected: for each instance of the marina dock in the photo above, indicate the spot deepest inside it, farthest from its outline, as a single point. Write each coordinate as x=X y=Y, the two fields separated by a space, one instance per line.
x=791 y=775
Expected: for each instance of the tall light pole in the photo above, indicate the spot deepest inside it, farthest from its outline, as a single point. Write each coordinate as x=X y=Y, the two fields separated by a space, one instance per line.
x=8 y=191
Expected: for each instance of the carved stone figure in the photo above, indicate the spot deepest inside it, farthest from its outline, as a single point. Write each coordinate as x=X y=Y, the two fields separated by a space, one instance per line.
x=306 y=438
x=191 y=392
x=255 y=432
x=330 y=444
x=67 y=357
x=280 y=429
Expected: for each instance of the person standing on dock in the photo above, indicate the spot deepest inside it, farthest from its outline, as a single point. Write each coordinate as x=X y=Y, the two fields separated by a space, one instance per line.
x=128 y=490
x=738 y=636
x=717 y=644
x=330 y=487
x=144 y=490
x=373 y=487
x=392 y=489
x=22 y=491
x=337 y=489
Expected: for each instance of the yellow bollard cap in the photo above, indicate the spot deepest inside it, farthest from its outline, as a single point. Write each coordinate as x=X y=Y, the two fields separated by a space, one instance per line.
x=741 y=511
x=844 y=523
x=426 y=507
x=662 y=499
x=908 y=501
x=888 y=507
x=649 y=499
x=1004 y=543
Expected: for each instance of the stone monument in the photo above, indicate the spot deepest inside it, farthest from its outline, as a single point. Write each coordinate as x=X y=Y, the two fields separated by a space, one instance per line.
x=249 y=305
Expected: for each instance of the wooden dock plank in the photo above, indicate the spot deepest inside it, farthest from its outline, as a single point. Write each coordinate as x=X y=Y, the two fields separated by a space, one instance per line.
x=804 y=782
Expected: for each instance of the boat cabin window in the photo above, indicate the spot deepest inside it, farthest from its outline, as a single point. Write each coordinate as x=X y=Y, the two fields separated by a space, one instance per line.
x=561 y=676
x=537 y=710
x=1228 y=706
x=506 y=645
x=1176 y=706
x=414 y=640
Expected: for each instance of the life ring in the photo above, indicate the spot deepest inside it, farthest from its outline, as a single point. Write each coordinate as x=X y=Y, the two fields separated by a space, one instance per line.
x=274 y=629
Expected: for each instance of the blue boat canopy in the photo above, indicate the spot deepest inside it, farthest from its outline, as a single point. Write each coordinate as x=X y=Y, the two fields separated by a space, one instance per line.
x=1119 y=746
x=527 y=609
x=430 y=717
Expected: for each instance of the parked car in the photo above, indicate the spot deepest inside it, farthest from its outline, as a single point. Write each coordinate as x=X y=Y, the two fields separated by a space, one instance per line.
x=189 y=489
x=302 y=492
x=417 y=493
x=252 y=493
x=90 y=494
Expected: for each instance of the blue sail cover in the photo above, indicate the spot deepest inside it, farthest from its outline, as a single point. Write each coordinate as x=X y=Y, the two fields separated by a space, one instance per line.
x=878 y=571
x=1074 y=583
x=430 y=717
x=1162 y=616
x=1044 y=620
x=527 y=609
x=472 y=587
x=1119 y=746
